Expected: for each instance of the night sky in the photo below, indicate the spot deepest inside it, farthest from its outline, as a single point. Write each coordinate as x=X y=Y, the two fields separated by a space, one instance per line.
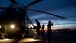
x=65 y=8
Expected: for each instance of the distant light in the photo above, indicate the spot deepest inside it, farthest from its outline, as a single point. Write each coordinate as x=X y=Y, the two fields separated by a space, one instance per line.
x=0 y=26
x=12 y=26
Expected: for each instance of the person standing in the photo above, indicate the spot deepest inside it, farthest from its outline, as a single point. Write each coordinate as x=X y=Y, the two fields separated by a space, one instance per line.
x=38 y=27
x=42 y=32
x=49 y=31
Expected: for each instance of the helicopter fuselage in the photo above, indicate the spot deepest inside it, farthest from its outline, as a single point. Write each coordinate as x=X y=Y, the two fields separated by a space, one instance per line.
x=13 y=17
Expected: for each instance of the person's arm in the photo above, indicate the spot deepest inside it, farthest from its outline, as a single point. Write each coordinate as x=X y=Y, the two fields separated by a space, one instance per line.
x=51 y=24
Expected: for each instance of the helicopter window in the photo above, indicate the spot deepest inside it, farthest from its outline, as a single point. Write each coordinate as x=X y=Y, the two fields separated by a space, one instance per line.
x=16 y=9
x=1 y=10
x=14 y=14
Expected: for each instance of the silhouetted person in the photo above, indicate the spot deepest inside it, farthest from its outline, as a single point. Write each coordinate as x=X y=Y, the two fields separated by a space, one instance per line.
x=49 y=31
x=42 y=32
x=1 y=36
x=38 y=27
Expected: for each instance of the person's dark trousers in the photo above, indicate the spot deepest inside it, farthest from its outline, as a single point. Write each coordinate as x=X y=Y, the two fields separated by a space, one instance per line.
x=49 y=35
x=38 y=32
x=42 y=34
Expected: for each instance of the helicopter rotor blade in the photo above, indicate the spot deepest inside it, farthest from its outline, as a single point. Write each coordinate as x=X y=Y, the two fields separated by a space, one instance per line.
x=34 y=2
x=47 y=13
x=1 y=7
x=13 y=1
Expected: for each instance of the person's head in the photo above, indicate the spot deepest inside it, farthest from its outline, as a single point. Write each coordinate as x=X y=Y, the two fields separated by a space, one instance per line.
x=36 y=20
x=42 y=24
x=49 y=21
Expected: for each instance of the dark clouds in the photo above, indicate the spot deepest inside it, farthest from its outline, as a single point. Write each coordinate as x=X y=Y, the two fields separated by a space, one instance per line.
x=65 y=8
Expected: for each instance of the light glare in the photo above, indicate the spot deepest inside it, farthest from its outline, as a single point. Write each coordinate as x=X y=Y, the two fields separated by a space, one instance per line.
x=12 y=26
x=0 y=26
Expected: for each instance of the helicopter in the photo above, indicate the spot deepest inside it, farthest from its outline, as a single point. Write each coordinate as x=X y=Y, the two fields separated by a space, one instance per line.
x=15 y=16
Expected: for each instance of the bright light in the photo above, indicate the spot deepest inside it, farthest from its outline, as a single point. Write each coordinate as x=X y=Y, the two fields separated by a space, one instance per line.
x=28 y=40
x=30 y=26
x=6 y=39
x=12 y=26
x=0 y=26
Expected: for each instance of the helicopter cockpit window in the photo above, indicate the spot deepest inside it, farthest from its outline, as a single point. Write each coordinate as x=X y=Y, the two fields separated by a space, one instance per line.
x=1 y=10
x=13 y=12
x=16 y=9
